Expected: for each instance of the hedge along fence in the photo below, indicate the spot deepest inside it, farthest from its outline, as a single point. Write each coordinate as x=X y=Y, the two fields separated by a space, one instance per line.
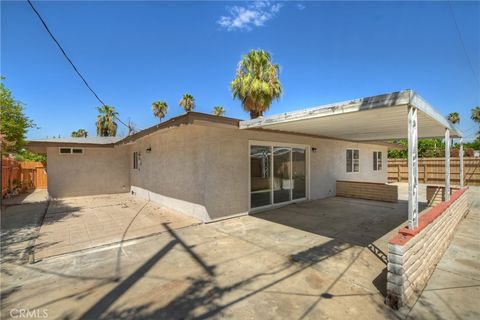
x=27 y=175
x=432 y=170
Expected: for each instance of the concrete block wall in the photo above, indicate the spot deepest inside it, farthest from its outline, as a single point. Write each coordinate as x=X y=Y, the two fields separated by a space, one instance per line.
x=413 y=254
x=367 y=190
x=436 y=194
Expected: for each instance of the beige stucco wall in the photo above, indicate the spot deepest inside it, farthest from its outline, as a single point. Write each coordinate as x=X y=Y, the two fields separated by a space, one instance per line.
x=208 y=166
x=97 y=171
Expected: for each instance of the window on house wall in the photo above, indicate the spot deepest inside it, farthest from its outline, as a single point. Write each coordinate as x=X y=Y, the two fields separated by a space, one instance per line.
x=135 y=160
x=70 y=150
x=353 y=160
x=377 y=160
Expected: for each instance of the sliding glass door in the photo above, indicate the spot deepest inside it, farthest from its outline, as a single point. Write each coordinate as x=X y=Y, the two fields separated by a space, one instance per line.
x=277 y=174
x=260 y=176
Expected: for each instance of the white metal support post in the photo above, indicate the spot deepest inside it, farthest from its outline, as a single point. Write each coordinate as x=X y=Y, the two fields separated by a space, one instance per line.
x=412 y=168
x=447 y=164
x=461 y=163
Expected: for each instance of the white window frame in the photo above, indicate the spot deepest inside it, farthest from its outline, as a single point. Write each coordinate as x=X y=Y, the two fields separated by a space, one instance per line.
x=273 y=144
x=353 y=160
x=71 y=151
x=377 y=160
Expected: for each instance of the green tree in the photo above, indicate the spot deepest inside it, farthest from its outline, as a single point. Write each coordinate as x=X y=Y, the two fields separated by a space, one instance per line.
x=106 y=125
x=427 y=148
x=160 y=109
x=25 y=155
x=454 y=117
x=256 y=82
x=13 y=121
x=80 y=133
x=218 y=111
x=187 y=102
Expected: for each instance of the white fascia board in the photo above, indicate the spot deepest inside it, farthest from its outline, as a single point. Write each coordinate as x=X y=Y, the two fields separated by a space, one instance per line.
x=421 y=104
x=355 y=105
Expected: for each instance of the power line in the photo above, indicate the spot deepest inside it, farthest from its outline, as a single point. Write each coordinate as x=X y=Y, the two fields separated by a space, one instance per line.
x=463 y=44
x=69 y=60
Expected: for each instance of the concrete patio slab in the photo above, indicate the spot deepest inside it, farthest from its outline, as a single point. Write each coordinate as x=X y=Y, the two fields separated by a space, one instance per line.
x=81 y=223
x=263 y=266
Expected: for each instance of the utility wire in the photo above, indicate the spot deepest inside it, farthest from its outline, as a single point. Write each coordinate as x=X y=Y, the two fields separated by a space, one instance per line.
x=463 y=44
x=70 y=61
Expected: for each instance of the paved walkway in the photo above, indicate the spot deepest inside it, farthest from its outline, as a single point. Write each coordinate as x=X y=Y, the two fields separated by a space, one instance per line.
x=74 y=224
x=34 y=196
x=453 y=291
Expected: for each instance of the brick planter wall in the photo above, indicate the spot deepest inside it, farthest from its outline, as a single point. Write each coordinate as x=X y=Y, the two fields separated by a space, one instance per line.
x=413 y=254
x=367 y=191
x=436 y=194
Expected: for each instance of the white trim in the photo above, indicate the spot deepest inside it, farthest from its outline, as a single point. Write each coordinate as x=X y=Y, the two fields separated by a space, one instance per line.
x=345 y=164
x=273 y=144
x=377 y=158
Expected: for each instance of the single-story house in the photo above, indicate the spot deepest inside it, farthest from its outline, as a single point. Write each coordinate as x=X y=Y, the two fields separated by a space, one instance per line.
x=211 y=167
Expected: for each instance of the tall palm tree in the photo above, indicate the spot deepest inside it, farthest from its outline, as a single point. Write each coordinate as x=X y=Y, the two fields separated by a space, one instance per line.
x=106 y=125
x=256 y=82
x=80 y=133
x=454 y=117
x=159 y=109
x=187 y=102
x=219 y=111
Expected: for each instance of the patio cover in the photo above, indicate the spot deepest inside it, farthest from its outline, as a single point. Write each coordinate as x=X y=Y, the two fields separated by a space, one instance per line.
x=382 y=117
x=396 y=115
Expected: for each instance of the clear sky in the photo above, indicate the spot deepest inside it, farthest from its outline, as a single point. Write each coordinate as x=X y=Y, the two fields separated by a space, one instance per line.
x=133 y=53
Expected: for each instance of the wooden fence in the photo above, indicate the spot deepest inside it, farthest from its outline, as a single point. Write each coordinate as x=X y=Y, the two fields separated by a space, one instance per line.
x=432 y=170
x=27 y=175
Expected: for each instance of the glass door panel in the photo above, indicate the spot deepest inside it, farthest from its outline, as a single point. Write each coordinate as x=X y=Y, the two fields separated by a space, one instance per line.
x=260 y=176
x=299 y=172
x=282 y=183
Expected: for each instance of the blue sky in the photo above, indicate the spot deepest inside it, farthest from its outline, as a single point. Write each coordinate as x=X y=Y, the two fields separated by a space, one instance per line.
x=133 y=53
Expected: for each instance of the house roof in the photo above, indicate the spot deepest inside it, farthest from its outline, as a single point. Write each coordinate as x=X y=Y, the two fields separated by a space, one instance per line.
x=382 y=117
x=188 y=118
x=87 y=140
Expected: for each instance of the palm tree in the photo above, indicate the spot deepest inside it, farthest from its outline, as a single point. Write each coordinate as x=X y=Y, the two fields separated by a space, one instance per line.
x=187 y=102
x=106 y=125
x=219 y=111
x=160 y=109
x=256 y=82
x=80 y=133
x=476 y=114
x=454 y=117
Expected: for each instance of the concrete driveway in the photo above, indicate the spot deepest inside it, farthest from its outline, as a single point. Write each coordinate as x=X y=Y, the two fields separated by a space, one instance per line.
x=80 y=223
